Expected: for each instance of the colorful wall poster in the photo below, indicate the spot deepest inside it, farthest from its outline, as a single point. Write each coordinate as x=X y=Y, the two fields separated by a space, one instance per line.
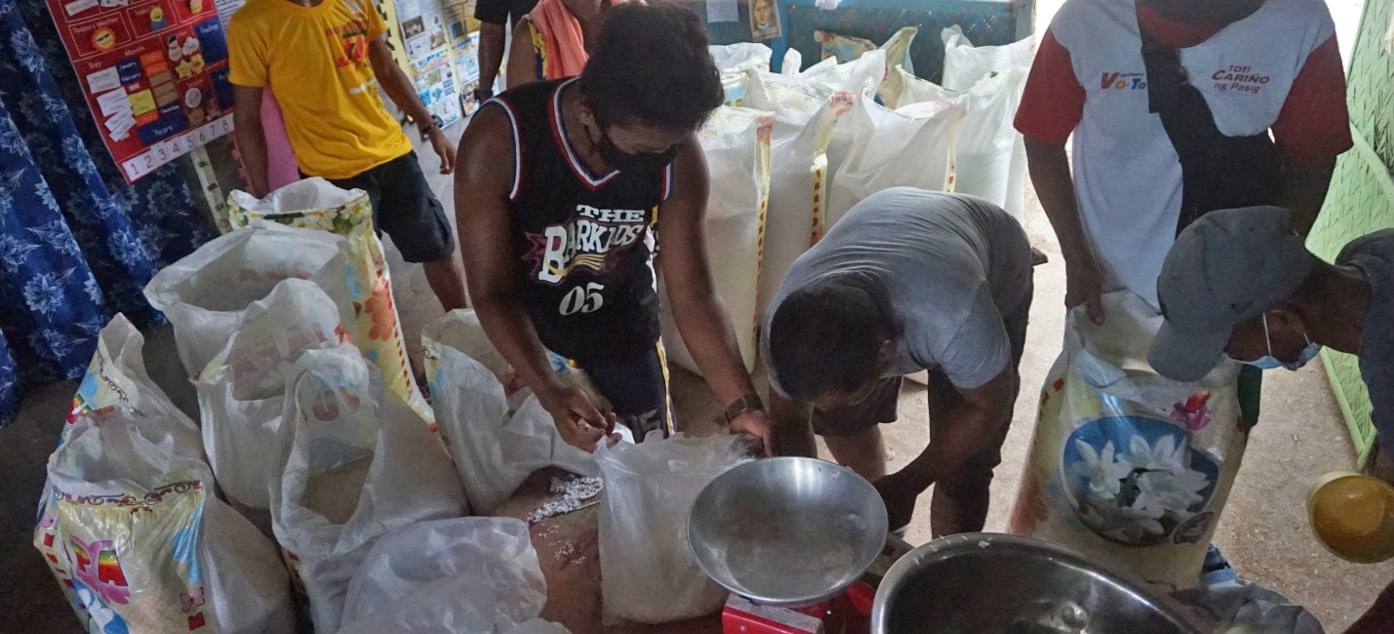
x=435 y=84
x=154 y=73
x=467 y=71
x=423 y=27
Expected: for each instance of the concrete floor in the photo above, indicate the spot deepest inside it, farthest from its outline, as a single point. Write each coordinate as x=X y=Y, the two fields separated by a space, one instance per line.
x=1263 y=532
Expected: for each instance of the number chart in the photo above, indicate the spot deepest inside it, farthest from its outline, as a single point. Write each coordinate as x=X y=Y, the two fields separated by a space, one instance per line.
x=154 y=72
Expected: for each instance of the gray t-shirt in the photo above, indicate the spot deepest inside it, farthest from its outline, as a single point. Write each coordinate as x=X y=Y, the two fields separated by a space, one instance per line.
x=1374 y=255
x=952 y=266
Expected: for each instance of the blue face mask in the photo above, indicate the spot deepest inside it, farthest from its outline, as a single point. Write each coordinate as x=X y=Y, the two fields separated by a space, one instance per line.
x=1269 y=362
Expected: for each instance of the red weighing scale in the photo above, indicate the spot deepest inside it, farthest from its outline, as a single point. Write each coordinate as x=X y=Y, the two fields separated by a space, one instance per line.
x=847 y=613
x=741 y=530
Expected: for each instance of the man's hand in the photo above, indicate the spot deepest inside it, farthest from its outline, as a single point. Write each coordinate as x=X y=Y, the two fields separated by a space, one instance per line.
x=757 y=424
x=899 y=493
x=579 y=422
x=445 y=150
x=1380 y=465
x=1084 y=285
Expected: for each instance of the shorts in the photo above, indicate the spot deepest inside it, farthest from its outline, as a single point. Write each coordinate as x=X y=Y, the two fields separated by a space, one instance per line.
x=405 y=209
x=502 y=11
x=637 y=387
x=880 y=406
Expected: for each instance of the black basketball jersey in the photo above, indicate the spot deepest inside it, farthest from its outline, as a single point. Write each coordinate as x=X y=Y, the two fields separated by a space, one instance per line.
x=586 y=242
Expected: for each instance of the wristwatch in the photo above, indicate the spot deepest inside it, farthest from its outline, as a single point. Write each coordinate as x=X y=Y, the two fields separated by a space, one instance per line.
x=435 y=124
x=483 y=94
x=744 y=405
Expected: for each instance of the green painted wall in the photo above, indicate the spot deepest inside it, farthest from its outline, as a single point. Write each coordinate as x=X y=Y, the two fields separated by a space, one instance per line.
x=1361 y=199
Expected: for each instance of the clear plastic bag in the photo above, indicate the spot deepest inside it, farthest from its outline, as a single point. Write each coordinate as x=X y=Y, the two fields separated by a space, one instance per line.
x=143 y=541
x=473 y=575
x=241 y=393
x=494 y=449
x=206 y=294
x=361 y=463
x=648 y=573
x=317 y=204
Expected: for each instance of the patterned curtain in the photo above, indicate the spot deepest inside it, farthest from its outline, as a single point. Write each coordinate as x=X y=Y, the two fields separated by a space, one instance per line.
x=77 y=243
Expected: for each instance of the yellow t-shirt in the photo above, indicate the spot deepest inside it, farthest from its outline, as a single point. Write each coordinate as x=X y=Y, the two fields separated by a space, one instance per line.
x=315 y=60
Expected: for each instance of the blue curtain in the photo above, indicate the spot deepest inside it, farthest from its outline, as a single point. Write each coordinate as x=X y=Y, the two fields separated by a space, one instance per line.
x=77 y=243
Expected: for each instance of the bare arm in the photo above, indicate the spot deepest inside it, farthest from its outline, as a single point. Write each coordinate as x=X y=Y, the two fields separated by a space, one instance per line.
x=972 y=425
x=522 y=57
x=400 y=90
x=491 y=269
x=701 y=316
x=1050 y=173
x=491 y=42
x=793 y=424
x=251 y=137
x=1303 y=191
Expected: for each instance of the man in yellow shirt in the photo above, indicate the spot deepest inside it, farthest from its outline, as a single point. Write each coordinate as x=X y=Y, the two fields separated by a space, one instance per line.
x=325 y=60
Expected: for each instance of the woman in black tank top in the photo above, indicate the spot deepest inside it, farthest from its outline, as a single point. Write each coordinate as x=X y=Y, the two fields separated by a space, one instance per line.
x=561 y=191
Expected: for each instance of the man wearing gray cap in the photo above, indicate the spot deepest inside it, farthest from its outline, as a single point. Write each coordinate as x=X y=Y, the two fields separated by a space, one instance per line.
x=1240 y=282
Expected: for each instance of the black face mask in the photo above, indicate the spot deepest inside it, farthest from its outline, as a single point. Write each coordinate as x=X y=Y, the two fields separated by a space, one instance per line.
x=625 y=162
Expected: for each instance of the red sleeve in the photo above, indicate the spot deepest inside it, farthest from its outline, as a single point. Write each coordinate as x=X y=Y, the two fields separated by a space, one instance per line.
x=1314 y=124
x=1053 y=101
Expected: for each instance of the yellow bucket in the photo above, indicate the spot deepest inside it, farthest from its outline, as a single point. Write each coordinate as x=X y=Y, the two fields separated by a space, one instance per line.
x=1352 y=515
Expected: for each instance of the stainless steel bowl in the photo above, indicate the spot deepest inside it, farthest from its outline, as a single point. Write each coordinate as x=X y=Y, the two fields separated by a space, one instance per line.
x=1003 y=584
x=787 y=531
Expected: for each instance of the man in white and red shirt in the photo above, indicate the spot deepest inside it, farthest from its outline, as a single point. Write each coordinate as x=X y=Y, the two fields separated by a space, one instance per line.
x=1261 y=65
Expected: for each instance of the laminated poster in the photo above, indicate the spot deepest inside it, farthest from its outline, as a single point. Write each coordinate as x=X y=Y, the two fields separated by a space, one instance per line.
x=467 y=72
x=435 y=84
x=423 y=27
x=154 y=73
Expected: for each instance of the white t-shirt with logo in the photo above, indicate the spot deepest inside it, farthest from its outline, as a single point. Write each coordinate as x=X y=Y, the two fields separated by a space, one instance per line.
x=1126 y=172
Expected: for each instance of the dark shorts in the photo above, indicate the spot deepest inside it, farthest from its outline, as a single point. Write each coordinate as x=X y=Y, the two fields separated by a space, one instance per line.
x=880 y=406
x=502 y=11
x=405 y=209
x=637 y=387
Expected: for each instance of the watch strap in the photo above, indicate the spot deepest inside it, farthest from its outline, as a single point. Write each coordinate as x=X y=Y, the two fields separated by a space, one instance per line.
x=743 y=405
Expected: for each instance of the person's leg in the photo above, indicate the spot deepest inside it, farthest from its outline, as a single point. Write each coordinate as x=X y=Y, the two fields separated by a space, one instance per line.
x=637 y=388
x=415 y=219
x=853 y=433
x=1250 y=394
x=864 y=452
x=960 y=501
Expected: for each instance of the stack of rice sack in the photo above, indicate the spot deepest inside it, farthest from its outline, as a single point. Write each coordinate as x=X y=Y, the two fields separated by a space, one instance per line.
x=851 y=125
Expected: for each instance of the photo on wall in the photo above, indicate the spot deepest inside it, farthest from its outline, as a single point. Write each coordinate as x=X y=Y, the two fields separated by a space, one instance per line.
x=764 y=20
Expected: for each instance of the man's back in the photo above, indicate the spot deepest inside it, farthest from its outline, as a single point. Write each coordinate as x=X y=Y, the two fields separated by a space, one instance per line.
x=951 y=265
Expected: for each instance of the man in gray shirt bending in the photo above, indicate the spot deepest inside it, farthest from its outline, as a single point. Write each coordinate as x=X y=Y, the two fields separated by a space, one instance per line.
x=908 y=280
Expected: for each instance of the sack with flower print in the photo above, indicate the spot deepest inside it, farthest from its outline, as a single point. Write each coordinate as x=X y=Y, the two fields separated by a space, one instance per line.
x=315 y=203
x=1127 y=467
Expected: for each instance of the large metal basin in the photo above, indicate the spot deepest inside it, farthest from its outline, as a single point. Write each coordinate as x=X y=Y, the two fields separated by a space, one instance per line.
x=787 y=531
x=983 y=583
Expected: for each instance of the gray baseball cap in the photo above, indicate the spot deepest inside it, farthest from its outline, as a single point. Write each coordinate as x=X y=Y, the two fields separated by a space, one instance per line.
x=1226 y=268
